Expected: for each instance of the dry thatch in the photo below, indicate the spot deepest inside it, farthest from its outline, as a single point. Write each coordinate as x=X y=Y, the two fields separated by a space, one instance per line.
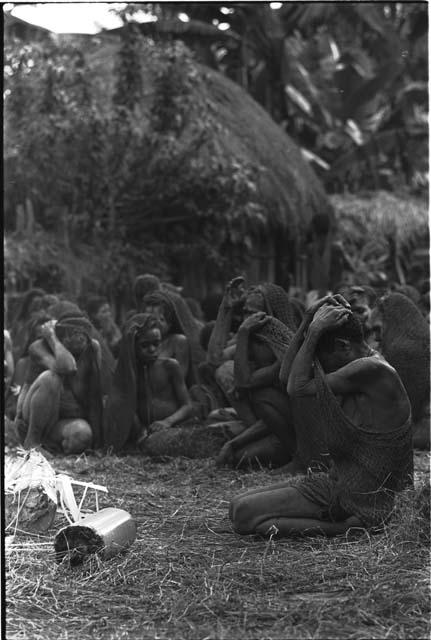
x=187 y=576
x=377 y=214
x=378 y=227
x=242 y=131
x=287 y=185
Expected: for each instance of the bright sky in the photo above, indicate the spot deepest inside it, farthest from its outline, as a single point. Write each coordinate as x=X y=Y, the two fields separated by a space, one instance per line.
x=76 y=17
x=69 y=17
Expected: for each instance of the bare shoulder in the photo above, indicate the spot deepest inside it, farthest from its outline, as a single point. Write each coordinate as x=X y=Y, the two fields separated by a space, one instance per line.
x=368 y=374
x=374 y=365
x=169 y=364
x=38 y=348
x=180 y=339
x=7 y=340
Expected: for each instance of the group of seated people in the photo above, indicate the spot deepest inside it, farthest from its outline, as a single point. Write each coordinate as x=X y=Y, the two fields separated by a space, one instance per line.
x=334 y=392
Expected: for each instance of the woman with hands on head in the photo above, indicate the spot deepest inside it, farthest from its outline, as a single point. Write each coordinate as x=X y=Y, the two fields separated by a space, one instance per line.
x=363 y=413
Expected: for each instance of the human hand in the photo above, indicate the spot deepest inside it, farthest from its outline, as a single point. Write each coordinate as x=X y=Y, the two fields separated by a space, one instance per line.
x=334 y=300
x=329 y=316
x=225 y=456
x=48 y=330
x=234 y=292
x=254 y=322
x=159 y=425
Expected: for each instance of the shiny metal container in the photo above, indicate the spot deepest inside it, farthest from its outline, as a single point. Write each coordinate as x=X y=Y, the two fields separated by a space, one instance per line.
x=107 y=533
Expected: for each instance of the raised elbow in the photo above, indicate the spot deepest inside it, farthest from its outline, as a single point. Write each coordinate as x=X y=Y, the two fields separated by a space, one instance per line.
x=66 y=366
x=297 y=388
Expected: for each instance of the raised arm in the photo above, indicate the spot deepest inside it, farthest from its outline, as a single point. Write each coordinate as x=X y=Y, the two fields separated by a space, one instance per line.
x=245 y=376
x=50 y=353
x=300 y=334
x=219 y=336
x=301 y=380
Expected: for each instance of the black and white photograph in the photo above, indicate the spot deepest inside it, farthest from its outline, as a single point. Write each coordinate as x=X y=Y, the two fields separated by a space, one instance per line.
x=216 y=243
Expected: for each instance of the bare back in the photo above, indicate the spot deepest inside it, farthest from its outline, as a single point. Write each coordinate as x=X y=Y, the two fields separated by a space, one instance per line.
x=371 y=394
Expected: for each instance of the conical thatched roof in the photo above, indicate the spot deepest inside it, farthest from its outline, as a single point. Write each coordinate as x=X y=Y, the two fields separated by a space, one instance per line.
x=287 y=187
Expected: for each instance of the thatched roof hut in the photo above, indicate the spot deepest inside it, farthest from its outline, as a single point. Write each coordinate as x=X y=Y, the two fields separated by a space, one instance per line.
x=218 y=183
x=285 y=190
x=289 y=187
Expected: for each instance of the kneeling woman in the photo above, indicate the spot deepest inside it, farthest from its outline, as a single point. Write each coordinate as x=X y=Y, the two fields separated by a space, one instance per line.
x=365 y=415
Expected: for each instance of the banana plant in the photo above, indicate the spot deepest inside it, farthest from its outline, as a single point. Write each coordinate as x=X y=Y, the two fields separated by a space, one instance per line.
x=348 y=81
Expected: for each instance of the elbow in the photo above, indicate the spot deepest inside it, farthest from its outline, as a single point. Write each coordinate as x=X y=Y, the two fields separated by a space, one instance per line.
x=67 y=368
x=291 y=386
x=289 y=389
x=293 y=391
x=296 y=388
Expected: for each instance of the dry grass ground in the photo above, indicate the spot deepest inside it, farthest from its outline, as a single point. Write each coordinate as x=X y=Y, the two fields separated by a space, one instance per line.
x=187 y=576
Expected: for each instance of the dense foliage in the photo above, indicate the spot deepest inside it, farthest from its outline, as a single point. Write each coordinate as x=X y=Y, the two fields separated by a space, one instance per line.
x=349 y=81
x=122 y=170
x=126 y=159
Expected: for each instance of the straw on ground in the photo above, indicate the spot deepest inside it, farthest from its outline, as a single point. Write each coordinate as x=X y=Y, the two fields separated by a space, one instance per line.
x=189 y=576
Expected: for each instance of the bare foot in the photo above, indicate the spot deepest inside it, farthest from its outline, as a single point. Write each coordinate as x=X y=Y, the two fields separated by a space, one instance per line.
x=292 y=468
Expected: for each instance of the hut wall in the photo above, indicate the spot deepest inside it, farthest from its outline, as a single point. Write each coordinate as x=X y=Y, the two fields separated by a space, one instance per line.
x=262 y=267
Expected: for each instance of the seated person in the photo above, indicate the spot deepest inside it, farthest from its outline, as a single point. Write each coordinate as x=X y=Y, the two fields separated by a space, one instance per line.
x=401 y=334
x=274 y=301
x=30 y=307
x=23 y=361
x=60 y=405
x=180 y=333
x=101 y=316
x=266 y=297
x=365 y=414
x=259 y=400
x=64 y=308
x=148 y=391
x=217 y=370
x=362 y=299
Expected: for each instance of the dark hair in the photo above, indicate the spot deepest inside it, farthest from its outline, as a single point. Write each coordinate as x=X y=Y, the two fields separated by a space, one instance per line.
x=145 y=284
x=33 y=326
x=94 y=304
x=149 y=323
x=351 y=330
x=26 y=302
x=160 y=298
x=195 y=307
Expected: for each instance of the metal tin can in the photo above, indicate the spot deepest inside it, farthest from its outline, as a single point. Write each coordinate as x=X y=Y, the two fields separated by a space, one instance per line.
x=107 y=533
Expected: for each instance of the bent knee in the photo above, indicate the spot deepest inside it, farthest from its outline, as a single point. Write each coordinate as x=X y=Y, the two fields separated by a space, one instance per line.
x=48 y=380
x=77 y=436
x=242 y=517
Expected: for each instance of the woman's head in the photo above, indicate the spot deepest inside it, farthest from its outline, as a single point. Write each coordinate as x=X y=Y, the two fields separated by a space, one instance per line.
x=144 y=285
x=341 y=345
x=254 y=301
x=74 y=333
x=148 y=340
x=159 y=307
